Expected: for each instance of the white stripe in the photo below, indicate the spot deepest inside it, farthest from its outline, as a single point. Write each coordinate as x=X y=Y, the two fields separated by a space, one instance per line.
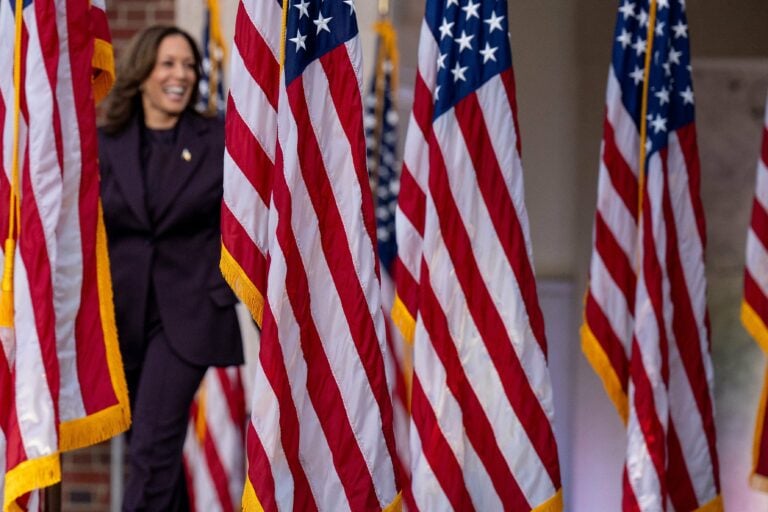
x=624 y=129
x=68 y=271
x=253 y=106
x=757 y=261
x=409 y=244
x=6 y=84
x=640 y=469
x=427 y=56
x=202 y=483
x=761 y=188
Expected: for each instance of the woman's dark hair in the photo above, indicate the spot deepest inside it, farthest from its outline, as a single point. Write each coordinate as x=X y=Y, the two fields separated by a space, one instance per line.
x=135 y=65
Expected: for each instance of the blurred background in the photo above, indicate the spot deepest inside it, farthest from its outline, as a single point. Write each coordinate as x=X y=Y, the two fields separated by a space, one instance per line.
x=561 y=51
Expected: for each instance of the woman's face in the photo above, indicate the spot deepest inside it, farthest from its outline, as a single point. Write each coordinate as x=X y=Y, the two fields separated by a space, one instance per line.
x=165 y=93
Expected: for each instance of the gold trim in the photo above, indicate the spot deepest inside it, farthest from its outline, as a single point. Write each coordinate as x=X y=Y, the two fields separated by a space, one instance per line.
x=553 y=504
x=754 y=325
x=403 y=320
x=251 y=502
x=30 y=475
x=716 y=505
x=602 y=366
x=242 y=285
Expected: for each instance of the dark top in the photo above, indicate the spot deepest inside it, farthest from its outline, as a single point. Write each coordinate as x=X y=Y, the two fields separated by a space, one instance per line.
x=161 y=192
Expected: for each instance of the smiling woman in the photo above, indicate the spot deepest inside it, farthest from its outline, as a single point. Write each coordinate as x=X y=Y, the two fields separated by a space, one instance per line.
x=161 y=188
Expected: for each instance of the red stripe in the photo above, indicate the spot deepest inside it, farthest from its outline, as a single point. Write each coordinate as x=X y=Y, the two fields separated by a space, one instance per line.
x=759 y=222
x=243 y=250
x=508 y=79
x=247 y=153
x=681 y=491
x=260 y=469
x=615 y=260
x=438 y=452
x=684 y=325
x=412 y=201
x=687 y=137
x=621 y=175
x=609 y=341
x=234 y=394
x=349 y=109
x=93 y=371
x=764 y=147
x=190 y=486
x=259 y=464
x=754 y=296
x=219 y=475
x=501 y=208
x=628 y=500
x=477 y=427
x=257 y=56
x=322 y=386
x=407 y=288
x=337 y=250
x=487 y=319
x=422 y=105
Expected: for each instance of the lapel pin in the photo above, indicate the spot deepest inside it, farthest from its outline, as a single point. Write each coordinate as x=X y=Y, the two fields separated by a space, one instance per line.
x=186 y=155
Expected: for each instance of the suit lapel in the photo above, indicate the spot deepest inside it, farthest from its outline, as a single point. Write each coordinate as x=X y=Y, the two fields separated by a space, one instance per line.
x=185 y=160
x=127 y=169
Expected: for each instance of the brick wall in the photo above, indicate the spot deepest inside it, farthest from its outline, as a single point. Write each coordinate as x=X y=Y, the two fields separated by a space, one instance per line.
x=85 y=473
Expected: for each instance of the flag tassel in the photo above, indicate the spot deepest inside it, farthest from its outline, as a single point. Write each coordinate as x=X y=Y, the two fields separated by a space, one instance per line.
x=6 y=292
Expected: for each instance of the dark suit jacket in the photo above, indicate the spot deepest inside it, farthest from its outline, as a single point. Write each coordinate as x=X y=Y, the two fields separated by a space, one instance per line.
x=178 y=252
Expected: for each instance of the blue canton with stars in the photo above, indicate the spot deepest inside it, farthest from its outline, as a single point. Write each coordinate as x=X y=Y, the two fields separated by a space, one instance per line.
x=474 y=46
x=314 y=28
x=670 y=91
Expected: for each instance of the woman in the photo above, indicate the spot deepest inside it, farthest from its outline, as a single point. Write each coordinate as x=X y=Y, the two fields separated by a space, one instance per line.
x=161 y=189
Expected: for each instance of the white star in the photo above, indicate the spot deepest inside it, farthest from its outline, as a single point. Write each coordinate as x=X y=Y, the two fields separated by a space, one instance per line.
x=471 y=10
x=674 y=56
x=351 y=4
x=446 y=29
x=637 y=75
x=437 y=93
x=682 y=4
x=625 y=38
x=681 y=29
x=299 y=41
x=642 y=18
x=628 y=9
x=464 y=41
x=302 y=7
x=659 y=124
x=441 y=61
x=458 y=72
x=648 y=145
x=687 y=95
x=488 y=53
x=494 y=22
x=663 y=96
x=322 y=23
x=451 y=2
x=667 y=68
x=661 y=4
x=639 y=46
x=659 y=28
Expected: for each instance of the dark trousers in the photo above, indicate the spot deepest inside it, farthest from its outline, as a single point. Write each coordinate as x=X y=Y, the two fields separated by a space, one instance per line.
x=161 y=392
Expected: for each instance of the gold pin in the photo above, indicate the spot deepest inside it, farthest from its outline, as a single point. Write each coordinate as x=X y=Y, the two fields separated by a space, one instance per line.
x=186 y=155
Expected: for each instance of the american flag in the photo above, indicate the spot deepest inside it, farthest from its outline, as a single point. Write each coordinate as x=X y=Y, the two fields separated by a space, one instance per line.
x=381 y=126
x=754 y=307
x=212 y=79
x=481 y=434
x=646 y=323
x=61 y=380
x=214 y=450
x=297 y=193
